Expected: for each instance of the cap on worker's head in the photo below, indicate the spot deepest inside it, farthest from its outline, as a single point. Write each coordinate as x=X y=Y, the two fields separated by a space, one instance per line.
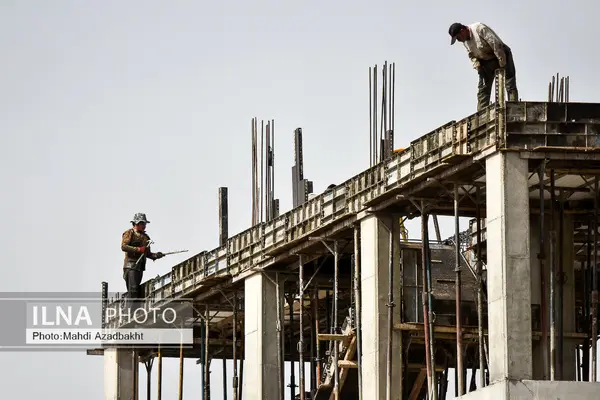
x=139 y=217
x=454 y=30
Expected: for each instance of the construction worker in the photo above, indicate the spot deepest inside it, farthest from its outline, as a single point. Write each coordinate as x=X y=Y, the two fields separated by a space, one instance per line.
x=135 y=243
x=488 y=53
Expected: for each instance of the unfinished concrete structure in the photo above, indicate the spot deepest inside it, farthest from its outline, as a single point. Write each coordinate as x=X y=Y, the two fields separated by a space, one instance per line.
x=332 y=283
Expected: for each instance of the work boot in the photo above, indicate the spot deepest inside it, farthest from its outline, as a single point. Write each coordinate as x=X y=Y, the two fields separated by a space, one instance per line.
x=513 y=96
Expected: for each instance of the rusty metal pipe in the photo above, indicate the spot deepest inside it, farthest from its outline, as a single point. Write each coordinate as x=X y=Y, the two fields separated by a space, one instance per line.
x=159 y=378
x=426 y=326
x=458 y=299
x=180 y=397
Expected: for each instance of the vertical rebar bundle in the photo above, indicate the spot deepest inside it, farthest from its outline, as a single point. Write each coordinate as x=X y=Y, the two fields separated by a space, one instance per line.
x=264 y=204
x=559 y=89
x=381 y=131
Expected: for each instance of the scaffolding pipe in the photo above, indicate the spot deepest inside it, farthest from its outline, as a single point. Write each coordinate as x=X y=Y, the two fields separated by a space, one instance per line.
x=290 y=301
x=149 y=378
x=426 y=326
x=301 y=323
x=206 y=356
x=594 y=308
x=459 y=343
x=357 y=297
x=479 y=292
x=552 y=277
x=224 y=377
x=543 y=278
x=313 y=340
x=430 y=307
x=559 y=305
x=241 y=386
x=180 y=397
x=159 y=379
x=390 y=313
x=280 y=358
x=336 y=372
x=586 y=305
x=234 y=388
x=317 y=341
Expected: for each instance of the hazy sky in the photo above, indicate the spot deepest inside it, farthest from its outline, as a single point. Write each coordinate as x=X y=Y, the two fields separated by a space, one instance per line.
x=108 y=108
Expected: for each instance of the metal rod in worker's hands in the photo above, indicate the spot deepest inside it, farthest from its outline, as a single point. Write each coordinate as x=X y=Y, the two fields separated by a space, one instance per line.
x=174 y=252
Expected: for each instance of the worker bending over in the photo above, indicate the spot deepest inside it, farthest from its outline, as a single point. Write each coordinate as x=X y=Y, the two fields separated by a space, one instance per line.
x=488 y=53
x=135 y=242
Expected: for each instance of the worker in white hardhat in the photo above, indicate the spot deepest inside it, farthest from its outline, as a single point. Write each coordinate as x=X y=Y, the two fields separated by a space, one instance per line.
x=488 y=53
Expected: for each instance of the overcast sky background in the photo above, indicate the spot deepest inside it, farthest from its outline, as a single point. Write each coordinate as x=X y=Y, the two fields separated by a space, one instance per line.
x=108 y=108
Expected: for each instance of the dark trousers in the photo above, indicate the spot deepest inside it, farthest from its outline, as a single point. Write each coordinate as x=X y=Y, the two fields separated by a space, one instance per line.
x=487 y=73
x=133 y=281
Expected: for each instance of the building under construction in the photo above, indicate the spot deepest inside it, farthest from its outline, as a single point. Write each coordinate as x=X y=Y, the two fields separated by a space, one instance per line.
x=511 y=303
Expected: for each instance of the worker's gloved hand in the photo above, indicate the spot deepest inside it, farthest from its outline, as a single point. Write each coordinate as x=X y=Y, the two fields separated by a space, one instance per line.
x=476 y=65
x=141 y=250
x=502 y=62
x=159 y=255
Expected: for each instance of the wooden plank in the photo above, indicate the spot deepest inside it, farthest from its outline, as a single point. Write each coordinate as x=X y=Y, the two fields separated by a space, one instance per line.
x=332 y=336
x=416 y=389
x=347 y=364
x=350 y=351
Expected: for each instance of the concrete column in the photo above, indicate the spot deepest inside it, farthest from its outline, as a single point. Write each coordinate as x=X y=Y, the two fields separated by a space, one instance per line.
x=260 y=338
x=509 y=277
x=120 y=374
x=375 y=234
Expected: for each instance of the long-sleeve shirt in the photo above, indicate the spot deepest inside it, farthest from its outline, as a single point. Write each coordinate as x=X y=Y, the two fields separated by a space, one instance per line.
x=484 y=44
x=130 y=243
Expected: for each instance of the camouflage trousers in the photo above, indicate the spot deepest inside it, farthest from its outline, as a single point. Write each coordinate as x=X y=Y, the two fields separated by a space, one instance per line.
x=487 y=73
